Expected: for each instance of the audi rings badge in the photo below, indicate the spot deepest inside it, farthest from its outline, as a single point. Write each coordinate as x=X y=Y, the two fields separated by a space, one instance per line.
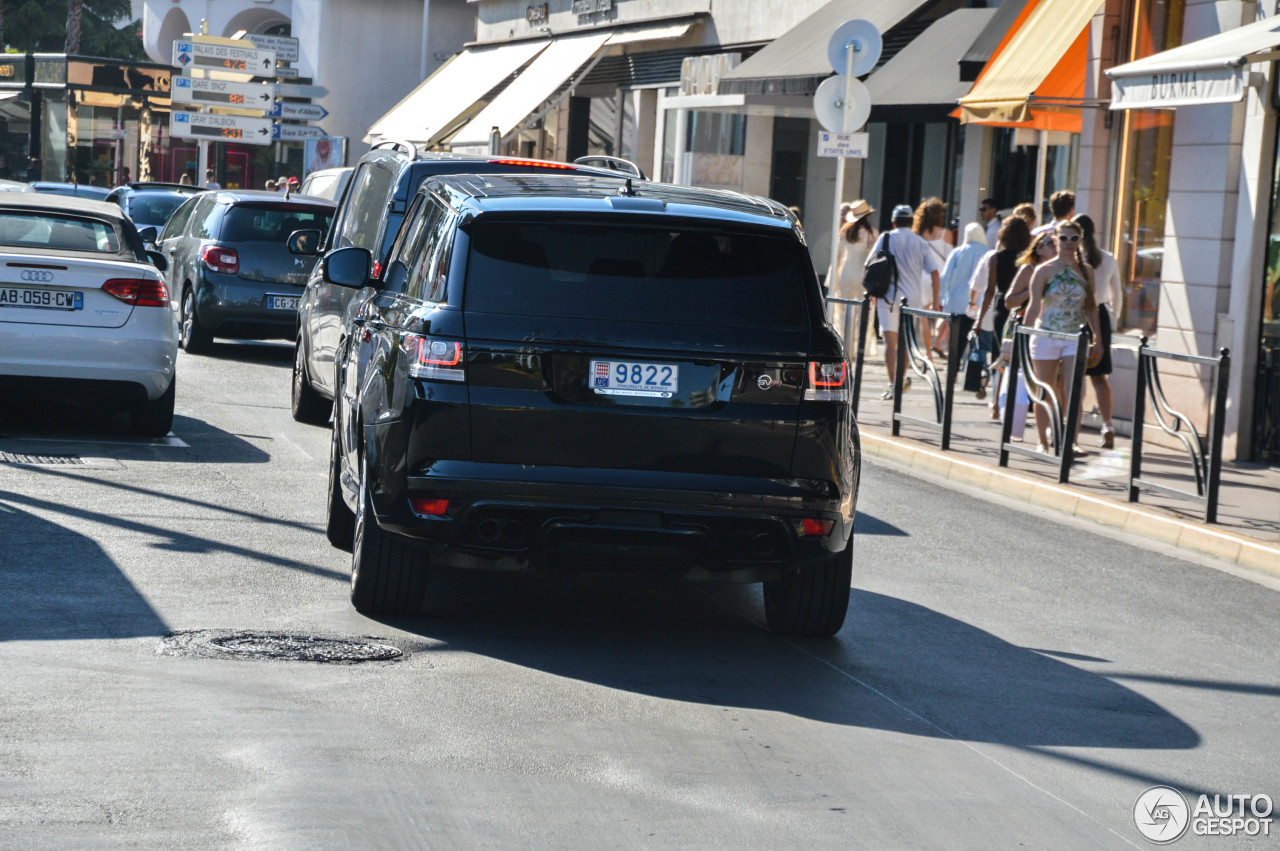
x=37 y=276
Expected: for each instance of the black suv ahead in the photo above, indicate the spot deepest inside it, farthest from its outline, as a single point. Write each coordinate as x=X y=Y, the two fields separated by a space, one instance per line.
x=567 y=373
x=369 y=215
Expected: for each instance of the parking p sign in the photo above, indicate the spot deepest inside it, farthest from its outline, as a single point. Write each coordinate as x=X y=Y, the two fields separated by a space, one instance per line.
x=843 y=144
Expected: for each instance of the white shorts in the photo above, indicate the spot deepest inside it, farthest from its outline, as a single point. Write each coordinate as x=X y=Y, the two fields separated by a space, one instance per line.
x=1047 y=348
x=887 y=312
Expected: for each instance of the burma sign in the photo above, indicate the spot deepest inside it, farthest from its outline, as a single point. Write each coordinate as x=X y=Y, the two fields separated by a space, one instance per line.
x=1178 y=87
x=222 y=128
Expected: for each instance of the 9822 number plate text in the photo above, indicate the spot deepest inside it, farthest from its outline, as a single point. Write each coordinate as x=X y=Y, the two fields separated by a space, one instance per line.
x=633 y=378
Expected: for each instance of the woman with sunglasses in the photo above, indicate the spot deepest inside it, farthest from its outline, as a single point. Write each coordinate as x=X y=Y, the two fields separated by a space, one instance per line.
x=1038 y=251
x=1061 y=300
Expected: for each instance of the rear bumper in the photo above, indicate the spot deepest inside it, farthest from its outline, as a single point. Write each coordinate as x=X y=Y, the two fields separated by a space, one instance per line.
x=230 y=306
x=568 y=520
x=130 y=363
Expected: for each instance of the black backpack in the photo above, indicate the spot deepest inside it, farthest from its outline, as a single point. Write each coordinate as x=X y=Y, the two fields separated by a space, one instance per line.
x=881 y=272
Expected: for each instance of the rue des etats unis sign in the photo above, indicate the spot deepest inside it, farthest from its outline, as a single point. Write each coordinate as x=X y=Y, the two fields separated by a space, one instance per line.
x=540 y=13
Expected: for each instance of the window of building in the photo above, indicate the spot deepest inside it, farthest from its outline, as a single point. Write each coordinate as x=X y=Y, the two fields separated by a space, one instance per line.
x=1146 y=142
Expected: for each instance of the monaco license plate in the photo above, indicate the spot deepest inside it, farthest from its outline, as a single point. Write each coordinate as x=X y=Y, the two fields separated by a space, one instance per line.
x=634 y=378
x=41 y=299
x=282 y=302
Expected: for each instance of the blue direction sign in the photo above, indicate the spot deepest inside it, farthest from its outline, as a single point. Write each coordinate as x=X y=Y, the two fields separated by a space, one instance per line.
x=295 y=132
x=298 y=111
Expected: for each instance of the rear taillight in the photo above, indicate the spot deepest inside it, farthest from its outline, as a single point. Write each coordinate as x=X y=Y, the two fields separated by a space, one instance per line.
x=138 y=292
x=219 y=258
x=435 y=358
x=429 y=506
x=828 y=381
x=816 y=526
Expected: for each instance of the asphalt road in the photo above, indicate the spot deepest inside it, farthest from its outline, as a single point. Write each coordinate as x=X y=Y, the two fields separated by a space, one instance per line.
x=1004 y=679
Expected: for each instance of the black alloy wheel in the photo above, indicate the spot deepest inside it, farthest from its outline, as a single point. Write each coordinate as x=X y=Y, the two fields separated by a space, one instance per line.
x=340 y=522
x=388 y=576
x=192 y=336
x=307 y=405
x=812 y=601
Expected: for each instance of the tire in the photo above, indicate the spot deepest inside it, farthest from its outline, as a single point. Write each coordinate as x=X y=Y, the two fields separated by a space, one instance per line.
x=308 y=406
x=388 y=576
x=812 y=601
x=340 y=524
x=154 y=418
x=192 y=336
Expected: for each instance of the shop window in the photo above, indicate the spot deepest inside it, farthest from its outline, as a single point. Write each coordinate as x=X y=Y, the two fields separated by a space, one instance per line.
x=1146 y=142
x=1266 y=436
x=719 y=133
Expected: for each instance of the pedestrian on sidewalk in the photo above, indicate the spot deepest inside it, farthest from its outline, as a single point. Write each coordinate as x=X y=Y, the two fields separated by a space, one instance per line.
x=1027 y=212
x=1063 y=206
x=930 y=223
x=954 y=281
x=1061 y=300
x=989 y=215
x=1014 y=241
x=1015 y=299
x=914 y=259
x=857 y=236
x=210 y=181
x=1109 y=294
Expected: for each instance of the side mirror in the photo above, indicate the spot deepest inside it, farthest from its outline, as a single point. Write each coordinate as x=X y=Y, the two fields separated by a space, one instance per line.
x=305 y=243
x=158 y=260
x=347 y=267
x=148 y=235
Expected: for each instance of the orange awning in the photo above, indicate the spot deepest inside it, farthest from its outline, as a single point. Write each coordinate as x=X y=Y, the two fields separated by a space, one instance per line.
x=1035 y=78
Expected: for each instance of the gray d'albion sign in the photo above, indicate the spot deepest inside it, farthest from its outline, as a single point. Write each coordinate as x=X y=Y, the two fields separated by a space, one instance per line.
x=1174 y=87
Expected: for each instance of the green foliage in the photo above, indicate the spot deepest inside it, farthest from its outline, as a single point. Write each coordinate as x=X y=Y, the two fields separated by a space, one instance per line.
x=41 y=26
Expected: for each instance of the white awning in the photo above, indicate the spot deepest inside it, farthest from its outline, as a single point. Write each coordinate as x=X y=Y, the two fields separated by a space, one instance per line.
x=535 y=85
x=1210 y=70
x=444 y=97
x=534 y=89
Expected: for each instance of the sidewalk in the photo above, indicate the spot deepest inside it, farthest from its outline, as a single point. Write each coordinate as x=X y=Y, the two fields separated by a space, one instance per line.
x=1248 y=528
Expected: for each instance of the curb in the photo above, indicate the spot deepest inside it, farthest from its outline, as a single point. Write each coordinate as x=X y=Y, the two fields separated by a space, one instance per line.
x=1227 y=546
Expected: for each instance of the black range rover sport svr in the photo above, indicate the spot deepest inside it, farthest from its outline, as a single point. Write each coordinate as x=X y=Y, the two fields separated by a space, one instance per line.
x=576 y=373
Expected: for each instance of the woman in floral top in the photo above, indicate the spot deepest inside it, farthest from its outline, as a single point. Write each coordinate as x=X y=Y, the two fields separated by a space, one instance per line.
x=1061 y=300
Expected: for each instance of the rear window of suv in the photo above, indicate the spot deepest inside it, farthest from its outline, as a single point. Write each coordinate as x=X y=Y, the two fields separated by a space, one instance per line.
x=262 y=223
x=635 y=272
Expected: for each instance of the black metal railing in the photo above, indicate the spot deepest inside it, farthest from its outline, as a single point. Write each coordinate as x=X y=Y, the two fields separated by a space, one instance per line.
x=1204 y=452
x=1063 y=420
x=858 y=350
x=911 y=353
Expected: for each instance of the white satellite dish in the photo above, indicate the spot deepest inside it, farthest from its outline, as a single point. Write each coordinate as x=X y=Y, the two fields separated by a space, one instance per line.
x=831 y=110
x=863 y=39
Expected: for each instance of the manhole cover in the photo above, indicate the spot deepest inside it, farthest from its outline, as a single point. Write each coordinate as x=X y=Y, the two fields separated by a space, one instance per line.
x=278 y=646
x=21 y=458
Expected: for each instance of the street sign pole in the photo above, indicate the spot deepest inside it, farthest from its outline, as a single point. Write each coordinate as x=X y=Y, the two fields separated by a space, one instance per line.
x=840 y=166
x=202 y=160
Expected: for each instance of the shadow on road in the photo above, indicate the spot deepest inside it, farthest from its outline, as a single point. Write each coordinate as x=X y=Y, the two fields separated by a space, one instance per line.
x=895 y=666
x=56 y=584
x=265 y=352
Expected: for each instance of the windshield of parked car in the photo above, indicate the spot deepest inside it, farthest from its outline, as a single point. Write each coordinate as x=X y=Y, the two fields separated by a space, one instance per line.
x=154 y=208
x=273 y=223
x=663 y=274
x=38 y=229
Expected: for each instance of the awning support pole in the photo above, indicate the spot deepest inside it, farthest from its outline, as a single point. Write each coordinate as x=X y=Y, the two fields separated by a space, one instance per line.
x=1042 y=166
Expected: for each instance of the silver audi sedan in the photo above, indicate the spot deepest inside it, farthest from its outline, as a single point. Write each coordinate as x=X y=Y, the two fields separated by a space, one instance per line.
x=84 y=311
